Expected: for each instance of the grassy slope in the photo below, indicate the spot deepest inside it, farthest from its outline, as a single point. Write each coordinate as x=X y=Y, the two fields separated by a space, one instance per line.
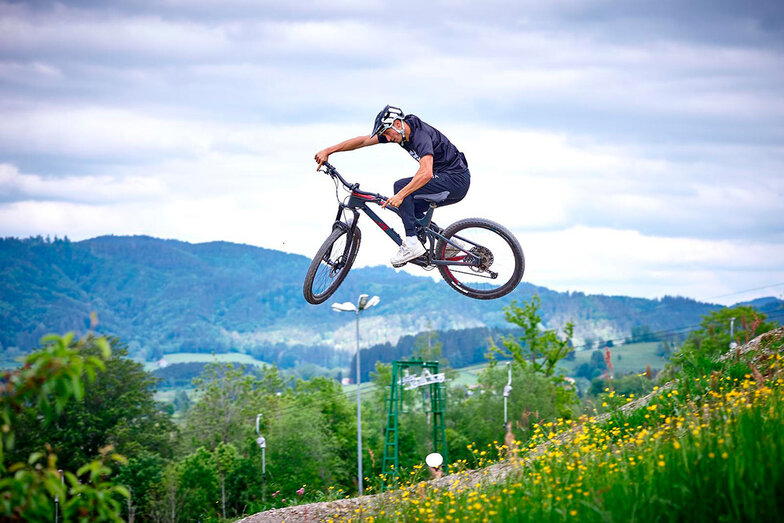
x=705 y=447
x=699 y=449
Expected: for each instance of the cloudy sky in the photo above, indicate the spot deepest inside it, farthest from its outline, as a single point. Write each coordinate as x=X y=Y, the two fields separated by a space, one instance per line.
x=633 y=147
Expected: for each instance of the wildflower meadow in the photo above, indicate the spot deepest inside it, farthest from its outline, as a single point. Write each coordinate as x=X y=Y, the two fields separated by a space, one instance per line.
x=702 y=447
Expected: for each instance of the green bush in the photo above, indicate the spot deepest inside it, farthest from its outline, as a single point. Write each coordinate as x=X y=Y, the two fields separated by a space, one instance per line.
x=48 y=381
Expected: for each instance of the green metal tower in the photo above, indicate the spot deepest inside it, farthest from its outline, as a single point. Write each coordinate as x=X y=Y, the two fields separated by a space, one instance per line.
x=402 y=381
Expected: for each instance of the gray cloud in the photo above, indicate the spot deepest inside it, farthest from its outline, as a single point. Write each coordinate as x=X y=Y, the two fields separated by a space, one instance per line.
x=670 y=115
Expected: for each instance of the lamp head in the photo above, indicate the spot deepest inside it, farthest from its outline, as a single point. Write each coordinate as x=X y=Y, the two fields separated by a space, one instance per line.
x=362 y=302
x=365 y=302
x=434 y=460
x=346 y=306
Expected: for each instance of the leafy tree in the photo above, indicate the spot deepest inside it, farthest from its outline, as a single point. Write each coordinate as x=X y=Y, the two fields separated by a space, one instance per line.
x=539 y=350
x=225 y=457
x=478 y=419
x=118 y=409
x=142 y=476
x=229 y=400
x=663 y=349
x=181 y=401
x=167 y=500
x=641 y=334
x=301 y=450
x=198 y=486
x=50 y=380
x=712 y=339
x=597 y=361
x=427 y=346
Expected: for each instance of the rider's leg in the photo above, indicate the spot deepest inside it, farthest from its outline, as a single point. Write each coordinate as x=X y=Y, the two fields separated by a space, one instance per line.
x=456 y=184
x=406 y=208
x=411 y=247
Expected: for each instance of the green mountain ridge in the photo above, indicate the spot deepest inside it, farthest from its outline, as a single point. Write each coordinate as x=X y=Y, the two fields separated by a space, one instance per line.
x=162 y=296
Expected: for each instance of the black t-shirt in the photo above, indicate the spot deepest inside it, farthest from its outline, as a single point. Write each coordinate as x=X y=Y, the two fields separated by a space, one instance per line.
x=426 y=139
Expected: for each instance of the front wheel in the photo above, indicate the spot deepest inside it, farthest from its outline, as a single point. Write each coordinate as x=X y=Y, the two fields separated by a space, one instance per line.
x=330 y=265
x=485 y=259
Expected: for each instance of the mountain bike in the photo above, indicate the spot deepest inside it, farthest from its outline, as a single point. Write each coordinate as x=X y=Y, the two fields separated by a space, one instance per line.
x=477 y=257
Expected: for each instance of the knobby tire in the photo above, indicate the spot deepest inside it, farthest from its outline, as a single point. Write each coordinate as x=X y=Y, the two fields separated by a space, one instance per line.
x=456 y=280
x=319 y=264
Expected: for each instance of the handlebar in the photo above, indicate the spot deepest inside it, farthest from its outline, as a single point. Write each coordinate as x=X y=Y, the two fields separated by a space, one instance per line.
x=353 y=187
x=330 y=170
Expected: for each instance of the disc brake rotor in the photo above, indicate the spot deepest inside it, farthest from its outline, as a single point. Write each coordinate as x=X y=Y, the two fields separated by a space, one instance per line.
x=484 y=259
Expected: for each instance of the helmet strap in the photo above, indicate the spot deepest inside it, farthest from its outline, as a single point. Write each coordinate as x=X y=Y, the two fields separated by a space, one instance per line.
x=402 y=130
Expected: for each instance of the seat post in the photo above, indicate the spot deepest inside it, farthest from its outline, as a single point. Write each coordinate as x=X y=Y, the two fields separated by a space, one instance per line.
x=428 y=217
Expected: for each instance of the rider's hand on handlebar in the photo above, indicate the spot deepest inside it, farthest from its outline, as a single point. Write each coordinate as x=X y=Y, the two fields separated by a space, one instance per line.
x=321 y=157
x=394 y=201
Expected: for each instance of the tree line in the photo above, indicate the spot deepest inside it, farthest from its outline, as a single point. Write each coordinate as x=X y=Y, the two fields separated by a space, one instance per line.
x=84 y=407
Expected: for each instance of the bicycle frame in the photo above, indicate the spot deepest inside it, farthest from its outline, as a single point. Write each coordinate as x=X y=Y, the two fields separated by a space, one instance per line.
x=358 y=201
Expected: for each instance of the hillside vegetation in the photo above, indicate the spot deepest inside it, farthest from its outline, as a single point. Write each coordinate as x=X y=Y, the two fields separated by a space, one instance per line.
x=167 y=296
x=83 y=406
x=700 y=447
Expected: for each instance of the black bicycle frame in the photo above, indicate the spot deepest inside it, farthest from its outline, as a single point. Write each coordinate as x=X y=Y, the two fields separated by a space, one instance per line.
x=358 y=201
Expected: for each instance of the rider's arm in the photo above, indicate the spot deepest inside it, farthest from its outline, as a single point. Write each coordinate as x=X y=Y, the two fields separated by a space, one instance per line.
x=348 y=145
x=423 y=175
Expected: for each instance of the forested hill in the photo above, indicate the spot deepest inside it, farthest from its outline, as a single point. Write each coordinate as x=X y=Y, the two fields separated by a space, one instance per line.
x=161 y=296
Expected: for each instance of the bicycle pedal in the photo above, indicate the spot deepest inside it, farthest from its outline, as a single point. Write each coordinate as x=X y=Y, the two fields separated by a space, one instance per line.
x=419 y=260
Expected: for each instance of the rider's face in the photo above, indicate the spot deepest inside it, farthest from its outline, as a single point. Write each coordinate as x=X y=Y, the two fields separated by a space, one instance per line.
x=392 y=135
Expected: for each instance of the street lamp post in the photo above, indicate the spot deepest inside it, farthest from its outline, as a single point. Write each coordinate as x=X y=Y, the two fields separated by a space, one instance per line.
x=364 y=302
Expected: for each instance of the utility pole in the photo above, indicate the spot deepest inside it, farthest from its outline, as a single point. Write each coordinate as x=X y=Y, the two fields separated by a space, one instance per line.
x=507 y=391
x=733 y=345
x=263 y=446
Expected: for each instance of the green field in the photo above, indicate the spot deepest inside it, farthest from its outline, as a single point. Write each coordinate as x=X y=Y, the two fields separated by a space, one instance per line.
x=468 y=376
x=626 y=359
x=631 y=358
x=190 y=357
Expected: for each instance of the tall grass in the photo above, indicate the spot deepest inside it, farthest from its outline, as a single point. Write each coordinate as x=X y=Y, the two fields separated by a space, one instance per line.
x=709 y=449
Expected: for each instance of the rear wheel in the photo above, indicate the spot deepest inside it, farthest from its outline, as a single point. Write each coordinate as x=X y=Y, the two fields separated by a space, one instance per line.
x=330 y=265
x=487 y=261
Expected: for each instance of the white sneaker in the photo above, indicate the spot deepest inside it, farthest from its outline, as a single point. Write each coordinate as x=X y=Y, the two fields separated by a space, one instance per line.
x=406 y=254
x=457 y=252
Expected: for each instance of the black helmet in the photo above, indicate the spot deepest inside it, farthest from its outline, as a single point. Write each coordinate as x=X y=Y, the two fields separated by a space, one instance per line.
x=386 y=118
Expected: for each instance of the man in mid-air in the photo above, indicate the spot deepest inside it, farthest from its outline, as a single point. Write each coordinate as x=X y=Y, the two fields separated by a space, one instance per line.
x=441 y=168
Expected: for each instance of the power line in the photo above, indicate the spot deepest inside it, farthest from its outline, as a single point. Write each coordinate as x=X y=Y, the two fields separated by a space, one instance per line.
x=747 y=290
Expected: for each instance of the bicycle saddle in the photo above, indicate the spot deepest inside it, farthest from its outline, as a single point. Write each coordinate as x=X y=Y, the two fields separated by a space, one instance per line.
x=433 y=198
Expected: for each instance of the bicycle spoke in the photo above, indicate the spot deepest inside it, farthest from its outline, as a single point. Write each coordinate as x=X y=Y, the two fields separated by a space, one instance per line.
x=492 y=259
x=328 y=270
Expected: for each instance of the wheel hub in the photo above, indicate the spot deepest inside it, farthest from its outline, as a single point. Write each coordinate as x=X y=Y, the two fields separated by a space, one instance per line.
x=484 y=259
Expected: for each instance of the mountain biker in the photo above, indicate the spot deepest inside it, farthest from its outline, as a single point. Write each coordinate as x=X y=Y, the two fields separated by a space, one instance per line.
x=442 y=167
